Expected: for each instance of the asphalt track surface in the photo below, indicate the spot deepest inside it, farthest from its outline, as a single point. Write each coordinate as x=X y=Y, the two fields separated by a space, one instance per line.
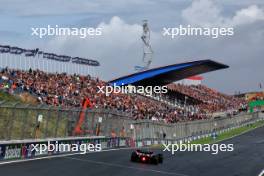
x=247 y=159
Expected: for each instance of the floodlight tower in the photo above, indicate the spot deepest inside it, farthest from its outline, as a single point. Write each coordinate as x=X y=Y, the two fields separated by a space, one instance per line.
x=147 y=50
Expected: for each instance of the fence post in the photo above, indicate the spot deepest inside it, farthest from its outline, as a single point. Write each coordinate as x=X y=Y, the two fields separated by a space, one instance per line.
x=47 y=124
x=11 y=123
x=24 y=124
x=57 y=122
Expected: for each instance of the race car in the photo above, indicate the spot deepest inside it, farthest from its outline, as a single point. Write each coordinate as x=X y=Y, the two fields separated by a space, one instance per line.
x=145 y=156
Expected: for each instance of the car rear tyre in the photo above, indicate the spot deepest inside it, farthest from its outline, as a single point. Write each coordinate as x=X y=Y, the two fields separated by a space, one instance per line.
x=133 y=157
x=160 y=158
x=155 y=160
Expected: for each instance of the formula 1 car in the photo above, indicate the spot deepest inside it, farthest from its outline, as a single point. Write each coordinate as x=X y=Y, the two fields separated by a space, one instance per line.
x=144 y=156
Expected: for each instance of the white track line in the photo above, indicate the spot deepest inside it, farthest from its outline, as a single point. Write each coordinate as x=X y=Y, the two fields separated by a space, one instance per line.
x=261 y=173
x=57 y=156
x=34 y=159
x=126 y=167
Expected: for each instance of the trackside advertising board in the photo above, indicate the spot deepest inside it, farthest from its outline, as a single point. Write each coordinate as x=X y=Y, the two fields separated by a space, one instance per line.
x=31 y=149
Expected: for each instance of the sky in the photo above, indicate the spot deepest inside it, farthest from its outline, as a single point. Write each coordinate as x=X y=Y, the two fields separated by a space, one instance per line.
x=119 y=48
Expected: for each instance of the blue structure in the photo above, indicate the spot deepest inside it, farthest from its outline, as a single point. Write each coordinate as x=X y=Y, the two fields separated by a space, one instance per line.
x=168 y=74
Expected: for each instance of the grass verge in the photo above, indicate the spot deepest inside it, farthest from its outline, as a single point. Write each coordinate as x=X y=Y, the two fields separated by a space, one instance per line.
x=229 y=134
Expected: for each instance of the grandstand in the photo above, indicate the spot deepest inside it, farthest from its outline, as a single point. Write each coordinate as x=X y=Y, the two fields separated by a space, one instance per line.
x=67 y=91
x=57 y=94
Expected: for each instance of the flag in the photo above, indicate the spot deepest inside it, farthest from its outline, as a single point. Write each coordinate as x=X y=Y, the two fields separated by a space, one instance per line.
x=94 y=63
x=29 y=53
x=75 y=59
x=4 y=48
x=16 y=50
x=52 y=56
x=65 y=58
x=46 y=55
x=84 y=61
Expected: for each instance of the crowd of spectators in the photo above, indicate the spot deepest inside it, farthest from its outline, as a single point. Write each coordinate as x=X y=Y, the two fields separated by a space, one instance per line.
x=212 y=100
x=68 y=91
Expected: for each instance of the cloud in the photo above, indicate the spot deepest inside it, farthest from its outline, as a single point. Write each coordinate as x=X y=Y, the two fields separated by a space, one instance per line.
x=240 y=3
x=202 y=13
x=118 y=49
x=36 y=8
x=248 y=15
x=208 y=13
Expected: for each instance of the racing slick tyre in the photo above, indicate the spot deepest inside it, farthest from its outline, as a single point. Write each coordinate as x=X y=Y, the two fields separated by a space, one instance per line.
x=160 y=156
x=134 y=157
x=155 y=160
